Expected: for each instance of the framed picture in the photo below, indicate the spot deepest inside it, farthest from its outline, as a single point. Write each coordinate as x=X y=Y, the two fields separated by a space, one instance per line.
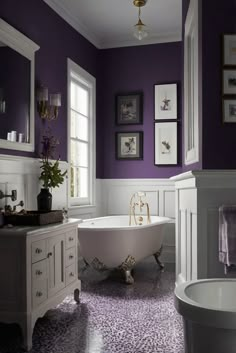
x=229 y=81
x=129 y=145
x=229 y=110
x=129 y=109
x=166 y=143
x=229 y=49
x=165 y=101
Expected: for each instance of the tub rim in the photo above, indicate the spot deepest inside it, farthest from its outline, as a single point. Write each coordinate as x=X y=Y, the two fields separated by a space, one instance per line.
x=208 y=316
x=180 y=292
x=117 y=228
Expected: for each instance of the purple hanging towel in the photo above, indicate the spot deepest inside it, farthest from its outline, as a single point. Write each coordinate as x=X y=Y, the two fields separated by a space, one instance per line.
x=227 y=236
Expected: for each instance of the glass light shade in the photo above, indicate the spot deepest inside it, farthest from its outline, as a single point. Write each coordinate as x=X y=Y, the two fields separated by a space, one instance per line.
x=140 y=31
x=2 y=106
x=42 y=94
x=55 y=100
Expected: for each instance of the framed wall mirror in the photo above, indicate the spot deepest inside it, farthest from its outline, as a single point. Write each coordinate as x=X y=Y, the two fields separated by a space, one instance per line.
x=17 y=80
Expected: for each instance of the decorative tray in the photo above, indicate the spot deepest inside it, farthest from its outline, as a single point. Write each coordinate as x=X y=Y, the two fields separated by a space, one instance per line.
x=34 y=218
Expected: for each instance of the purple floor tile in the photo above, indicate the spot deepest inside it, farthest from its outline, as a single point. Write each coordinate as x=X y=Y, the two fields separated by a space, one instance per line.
x=112 y=317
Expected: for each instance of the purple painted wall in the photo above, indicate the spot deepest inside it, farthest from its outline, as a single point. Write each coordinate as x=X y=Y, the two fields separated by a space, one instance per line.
x=116 y=70
x=134 y=69
x=57 y=41
x=219 y=146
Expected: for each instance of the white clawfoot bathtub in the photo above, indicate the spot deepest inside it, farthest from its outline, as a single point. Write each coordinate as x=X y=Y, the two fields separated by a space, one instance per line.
x=109 y=242
x=208 y=308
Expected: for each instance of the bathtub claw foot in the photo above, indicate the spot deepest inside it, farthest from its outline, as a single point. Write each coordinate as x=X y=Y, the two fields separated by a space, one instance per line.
x=76 y=295
x=129 y=279
x=156 y=256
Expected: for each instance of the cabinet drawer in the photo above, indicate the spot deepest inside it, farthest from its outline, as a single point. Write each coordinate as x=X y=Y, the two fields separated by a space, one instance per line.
x=70 y=256
x=71 y=238
x=39 y=292
x=39 y=271
x=38 y=250
x=70 y=274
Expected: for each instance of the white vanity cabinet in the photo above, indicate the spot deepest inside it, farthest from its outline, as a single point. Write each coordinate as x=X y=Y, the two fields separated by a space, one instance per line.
x=38 y=269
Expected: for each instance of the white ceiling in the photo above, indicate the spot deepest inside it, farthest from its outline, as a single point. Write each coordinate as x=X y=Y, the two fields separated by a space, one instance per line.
x=109 y=23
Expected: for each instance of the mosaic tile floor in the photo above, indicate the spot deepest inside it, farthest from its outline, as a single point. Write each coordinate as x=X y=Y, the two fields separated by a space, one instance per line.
x=112 y=318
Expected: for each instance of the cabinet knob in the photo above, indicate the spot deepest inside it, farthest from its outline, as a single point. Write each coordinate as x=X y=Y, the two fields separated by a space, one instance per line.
x=71 y=239
x=38 y=250
x=71 y=274
x=38 y=272
x=71 y=257
x=39 y=294
x=49 y=254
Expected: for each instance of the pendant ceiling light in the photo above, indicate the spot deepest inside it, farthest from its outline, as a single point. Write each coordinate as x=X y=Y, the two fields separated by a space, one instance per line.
x=140 y=29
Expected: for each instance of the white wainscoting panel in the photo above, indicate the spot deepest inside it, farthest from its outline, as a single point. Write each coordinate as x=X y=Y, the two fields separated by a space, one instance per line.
x=160 y=195
x=199 y=194
x=169 y=203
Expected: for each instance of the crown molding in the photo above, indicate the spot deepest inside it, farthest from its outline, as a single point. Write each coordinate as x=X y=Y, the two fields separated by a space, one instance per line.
x=73 y=21
x=110 y=43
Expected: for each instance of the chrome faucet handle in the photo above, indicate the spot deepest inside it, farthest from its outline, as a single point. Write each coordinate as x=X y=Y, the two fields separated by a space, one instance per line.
x=13 y=195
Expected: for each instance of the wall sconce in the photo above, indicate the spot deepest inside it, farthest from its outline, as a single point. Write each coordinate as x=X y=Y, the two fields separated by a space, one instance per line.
x=2 y=102
x=48 y=111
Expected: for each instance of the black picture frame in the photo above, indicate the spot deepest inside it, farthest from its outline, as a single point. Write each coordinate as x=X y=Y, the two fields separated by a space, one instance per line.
x=129 y=145
x=229 y=110
x=229 y=46
x=129 y=109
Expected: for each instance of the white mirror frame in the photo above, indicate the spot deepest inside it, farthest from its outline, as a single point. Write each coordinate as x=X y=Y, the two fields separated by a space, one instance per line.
x=26 y=47
x=192 y=83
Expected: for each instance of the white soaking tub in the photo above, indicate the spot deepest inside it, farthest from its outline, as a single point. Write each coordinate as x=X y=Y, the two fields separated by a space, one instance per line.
x=109 y=242
x=208 y=308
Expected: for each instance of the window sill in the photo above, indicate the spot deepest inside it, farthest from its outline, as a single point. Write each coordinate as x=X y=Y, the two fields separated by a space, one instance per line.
x=79 y=207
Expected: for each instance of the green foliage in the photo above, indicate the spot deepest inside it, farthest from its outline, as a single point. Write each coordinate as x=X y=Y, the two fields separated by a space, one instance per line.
x=51 y=175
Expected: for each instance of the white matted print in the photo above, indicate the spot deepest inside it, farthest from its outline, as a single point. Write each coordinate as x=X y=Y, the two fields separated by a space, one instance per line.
x=166 y=101
x=166 y=143
x=229 y=81
x=229 y=110
x=230 y=49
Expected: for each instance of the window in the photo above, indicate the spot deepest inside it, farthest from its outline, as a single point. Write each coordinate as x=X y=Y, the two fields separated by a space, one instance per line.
x=81 y=135
x=192 y=89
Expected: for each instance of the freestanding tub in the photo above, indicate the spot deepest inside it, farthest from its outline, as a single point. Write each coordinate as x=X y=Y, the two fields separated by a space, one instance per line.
x=208 y=308
x=109 y=242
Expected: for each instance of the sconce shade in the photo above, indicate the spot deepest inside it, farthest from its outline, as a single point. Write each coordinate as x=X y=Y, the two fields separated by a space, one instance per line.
x=2 y=102
x=48 y=111
x=2 y=106
x=42 y=94
x=55 y=99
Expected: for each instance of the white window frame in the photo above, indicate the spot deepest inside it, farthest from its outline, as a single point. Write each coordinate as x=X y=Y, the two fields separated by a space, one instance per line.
x=192 y=83
x=89 y=81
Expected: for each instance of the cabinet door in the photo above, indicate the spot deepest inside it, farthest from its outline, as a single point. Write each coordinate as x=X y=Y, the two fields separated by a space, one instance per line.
x=56 y=264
